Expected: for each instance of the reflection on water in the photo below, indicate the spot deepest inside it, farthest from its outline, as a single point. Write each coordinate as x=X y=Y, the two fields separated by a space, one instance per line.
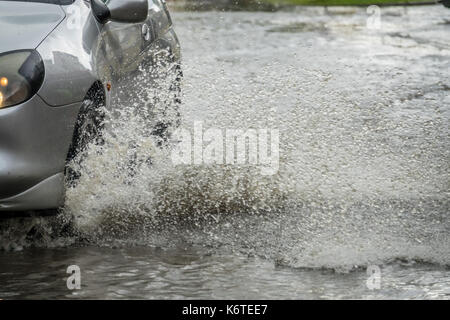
x=145 y=273
x=364 y=174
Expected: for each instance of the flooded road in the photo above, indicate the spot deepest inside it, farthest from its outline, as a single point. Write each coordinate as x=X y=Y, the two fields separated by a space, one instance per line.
x=362 y=178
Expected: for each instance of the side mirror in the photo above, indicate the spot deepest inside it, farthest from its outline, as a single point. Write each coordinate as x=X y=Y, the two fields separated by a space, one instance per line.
x=128 y=11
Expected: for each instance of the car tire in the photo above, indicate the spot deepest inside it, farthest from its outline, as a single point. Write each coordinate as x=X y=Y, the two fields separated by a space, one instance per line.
x=88 y=130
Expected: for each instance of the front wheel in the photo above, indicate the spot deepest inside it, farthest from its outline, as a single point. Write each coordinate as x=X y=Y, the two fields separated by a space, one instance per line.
x=88 y=130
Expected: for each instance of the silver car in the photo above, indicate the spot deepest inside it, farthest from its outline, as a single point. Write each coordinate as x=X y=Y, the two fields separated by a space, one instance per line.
x=61 y=63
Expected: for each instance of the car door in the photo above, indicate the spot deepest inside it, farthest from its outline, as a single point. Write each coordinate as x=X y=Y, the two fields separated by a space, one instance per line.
x=133 y=58
x=121 y=44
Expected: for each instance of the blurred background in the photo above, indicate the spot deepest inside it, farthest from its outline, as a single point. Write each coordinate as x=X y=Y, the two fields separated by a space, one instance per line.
x=272 y=5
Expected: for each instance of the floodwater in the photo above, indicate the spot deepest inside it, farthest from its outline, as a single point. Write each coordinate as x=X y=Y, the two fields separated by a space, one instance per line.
x=361 y=186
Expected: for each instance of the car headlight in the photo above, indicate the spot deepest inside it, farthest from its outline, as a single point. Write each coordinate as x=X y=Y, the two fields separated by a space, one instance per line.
x=21 y=76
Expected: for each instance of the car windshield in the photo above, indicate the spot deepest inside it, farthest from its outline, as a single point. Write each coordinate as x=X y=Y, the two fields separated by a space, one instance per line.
x=60 y=2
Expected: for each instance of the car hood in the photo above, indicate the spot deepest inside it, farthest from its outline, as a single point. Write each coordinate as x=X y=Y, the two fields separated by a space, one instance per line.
x=24 y=25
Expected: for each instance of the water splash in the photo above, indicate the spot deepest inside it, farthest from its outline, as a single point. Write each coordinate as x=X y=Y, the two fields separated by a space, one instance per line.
x=363 y=173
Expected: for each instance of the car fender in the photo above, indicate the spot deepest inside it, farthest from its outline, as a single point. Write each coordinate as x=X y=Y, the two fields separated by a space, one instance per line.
x=69 y=57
